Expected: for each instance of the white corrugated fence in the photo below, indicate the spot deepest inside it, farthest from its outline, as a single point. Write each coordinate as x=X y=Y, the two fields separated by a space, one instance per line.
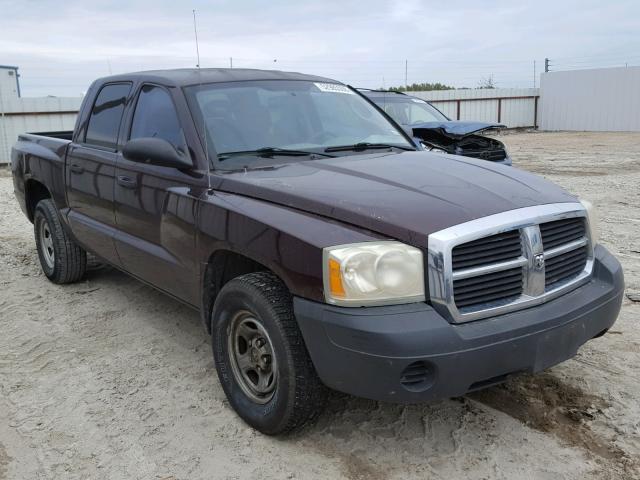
x=604 y=99
x=513 y=107
x=46 y=114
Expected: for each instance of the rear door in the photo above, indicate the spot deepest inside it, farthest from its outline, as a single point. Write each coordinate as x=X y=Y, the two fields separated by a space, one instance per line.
x=156 y=205
x=90 y=172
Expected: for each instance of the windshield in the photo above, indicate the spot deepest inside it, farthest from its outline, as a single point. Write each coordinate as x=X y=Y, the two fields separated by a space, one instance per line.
x=408 y=110
x=277 y=115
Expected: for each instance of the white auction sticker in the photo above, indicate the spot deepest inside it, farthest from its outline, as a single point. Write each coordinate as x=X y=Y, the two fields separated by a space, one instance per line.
x=333 y=87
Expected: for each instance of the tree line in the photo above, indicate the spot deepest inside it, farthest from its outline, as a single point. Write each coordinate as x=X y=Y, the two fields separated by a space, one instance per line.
x=486 y=82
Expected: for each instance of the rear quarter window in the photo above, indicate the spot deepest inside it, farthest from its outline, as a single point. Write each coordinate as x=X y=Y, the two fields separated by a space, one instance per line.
x=106 y=115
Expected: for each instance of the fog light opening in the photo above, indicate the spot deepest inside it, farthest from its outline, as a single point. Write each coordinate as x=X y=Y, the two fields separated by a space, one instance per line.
x=418 y=376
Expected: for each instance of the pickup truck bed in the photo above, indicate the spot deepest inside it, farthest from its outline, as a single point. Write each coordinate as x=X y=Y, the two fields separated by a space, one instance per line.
x=45 y=154
x=52 y=141
x=36 y=143
x=62 y=134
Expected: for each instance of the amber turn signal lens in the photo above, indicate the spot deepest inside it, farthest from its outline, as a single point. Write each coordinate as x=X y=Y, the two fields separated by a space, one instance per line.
x=335 y=279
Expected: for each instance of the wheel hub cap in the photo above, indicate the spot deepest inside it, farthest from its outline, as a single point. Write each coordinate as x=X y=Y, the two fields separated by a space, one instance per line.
x=46 y=244
x=252 y=358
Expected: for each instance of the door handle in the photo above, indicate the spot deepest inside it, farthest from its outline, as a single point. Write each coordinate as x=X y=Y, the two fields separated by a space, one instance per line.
x=127 y=182
x=75 y=168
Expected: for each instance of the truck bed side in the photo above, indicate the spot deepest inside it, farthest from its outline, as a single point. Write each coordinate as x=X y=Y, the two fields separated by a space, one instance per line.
x=37 y=165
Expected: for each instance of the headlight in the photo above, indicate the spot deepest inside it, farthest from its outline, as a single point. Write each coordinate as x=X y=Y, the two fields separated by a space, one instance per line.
x=373 y=273
x=592 y=218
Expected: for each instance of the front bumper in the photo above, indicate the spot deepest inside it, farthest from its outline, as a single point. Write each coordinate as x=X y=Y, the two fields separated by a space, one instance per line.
x=409 y=353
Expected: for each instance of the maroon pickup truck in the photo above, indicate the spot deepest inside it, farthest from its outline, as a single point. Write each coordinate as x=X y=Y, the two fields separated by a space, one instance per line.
x=321 y=248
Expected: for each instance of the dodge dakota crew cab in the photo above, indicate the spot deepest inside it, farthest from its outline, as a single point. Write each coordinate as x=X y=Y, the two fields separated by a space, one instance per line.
x=321 y=248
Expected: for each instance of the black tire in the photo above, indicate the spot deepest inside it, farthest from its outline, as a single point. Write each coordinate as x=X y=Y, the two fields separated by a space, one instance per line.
x=61 y=258
x=298 y=395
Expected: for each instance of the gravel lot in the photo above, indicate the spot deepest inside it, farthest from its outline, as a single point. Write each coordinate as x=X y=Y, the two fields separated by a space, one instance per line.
x=110 y=379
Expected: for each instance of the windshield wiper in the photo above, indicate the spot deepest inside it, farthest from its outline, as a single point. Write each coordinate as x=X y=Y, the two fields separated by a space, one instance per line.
x=358 y=147
x=270 y=152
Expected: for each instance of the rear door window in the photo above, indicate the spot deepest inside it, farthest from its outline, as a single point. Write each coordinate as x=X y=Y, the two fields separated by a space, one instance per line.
x=106 y=115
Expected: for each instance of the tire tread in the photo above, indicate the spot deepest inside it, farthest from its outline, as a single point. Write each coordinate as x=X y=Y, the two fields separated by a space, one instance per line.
x=70 y=259
x=310 y=395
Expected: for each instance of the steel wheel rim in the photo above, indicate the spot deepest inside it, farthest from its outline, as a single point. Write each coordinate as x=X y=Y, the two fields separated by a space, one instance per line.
x=46 y=244
x=253 y=361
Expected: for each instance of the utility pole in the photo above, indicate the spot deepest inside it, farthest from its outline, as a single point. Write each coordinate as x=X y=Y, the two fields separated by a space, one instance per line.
x=546 y=65
x=534 y=74
x=230 y=62
x=406 y=68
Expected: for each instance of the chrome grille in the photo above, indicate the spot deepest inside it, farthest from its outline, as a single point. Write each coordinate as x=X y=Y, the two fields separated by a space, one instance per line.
x=563 y=268
x=561 y=232
x=501 y=286
x=508 y=261
x=489 y=287
x=484 y=251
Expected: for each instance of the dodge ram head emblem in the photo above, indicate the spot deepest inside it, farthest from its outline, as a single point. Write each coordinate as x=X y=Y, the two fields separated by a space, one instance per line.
x=538 y=261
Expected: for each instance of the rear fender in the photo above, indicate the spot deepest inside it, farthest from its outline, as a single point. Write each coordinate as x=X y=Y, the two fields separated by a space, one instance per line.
x=32 y=161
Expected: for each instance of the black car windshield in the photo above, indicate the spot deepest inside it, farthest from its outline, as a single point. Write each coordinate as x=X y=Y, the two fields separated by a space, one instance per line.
x=249 y=121
x=408 y=110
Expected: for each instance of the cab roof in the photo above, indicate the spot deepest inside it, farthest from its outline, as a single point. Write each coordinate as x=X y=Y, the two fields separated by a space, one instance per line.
x=183 y=77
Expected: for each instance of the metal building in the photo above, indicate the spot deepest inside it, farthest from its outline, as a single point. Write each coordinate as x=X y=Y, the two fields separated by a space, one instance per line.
x=9 y=82
x=19 y=115
x=602 y=99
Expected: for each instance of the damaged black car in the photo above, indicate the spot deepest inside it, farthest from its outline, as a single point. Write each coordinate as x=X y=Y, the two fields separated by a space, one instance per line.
x=433 y=130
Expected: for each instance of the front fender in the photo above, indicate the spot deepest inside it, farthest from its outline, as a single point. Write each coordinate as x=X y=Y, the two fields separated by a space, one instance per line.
x=287 y=241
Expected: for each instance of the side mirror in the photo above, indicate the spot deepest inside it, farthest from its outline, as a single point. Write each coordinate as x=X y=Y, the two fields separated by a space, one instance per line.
x=155 y=151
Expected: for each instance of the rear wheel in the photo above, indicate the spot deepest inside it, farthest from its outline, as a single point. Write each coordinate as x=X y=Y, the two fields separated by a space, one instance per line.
x=62 y=260
x=260 y=355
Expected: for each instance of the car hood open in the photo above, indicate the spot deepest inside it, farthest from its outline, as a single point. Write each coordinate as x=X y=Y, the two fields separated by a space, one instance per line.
x=405 y=195
x=454 y=129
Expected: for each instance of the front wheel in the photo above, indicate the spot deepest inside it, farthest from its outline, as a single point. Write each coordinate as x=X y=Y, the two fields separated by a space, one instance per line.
x=260 y=355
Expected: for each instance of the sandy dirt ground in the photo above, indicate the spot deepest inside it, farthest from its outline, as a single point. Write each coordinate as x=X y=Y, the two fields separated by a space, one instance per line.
x=108 y=378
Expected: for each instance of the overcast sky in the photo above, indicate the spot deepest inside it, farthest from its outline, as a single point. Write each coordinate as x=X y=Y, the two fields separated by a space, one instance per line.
x=61 y=46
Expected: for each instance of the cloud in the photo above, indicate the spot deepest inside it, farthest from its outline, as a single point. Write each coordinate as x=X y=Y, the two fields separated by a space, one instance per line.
x=61 y=47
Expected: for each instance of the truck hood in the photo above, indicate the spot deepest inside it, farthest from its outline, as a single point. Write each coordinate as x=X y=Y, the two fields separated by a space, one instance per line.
x=454 y=129
x=404 y=195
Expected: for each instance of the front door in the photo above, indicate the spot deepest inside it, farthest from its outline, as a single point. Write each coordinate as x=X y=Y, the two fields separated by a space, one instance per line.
x=156 y=206
x=90 y=173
